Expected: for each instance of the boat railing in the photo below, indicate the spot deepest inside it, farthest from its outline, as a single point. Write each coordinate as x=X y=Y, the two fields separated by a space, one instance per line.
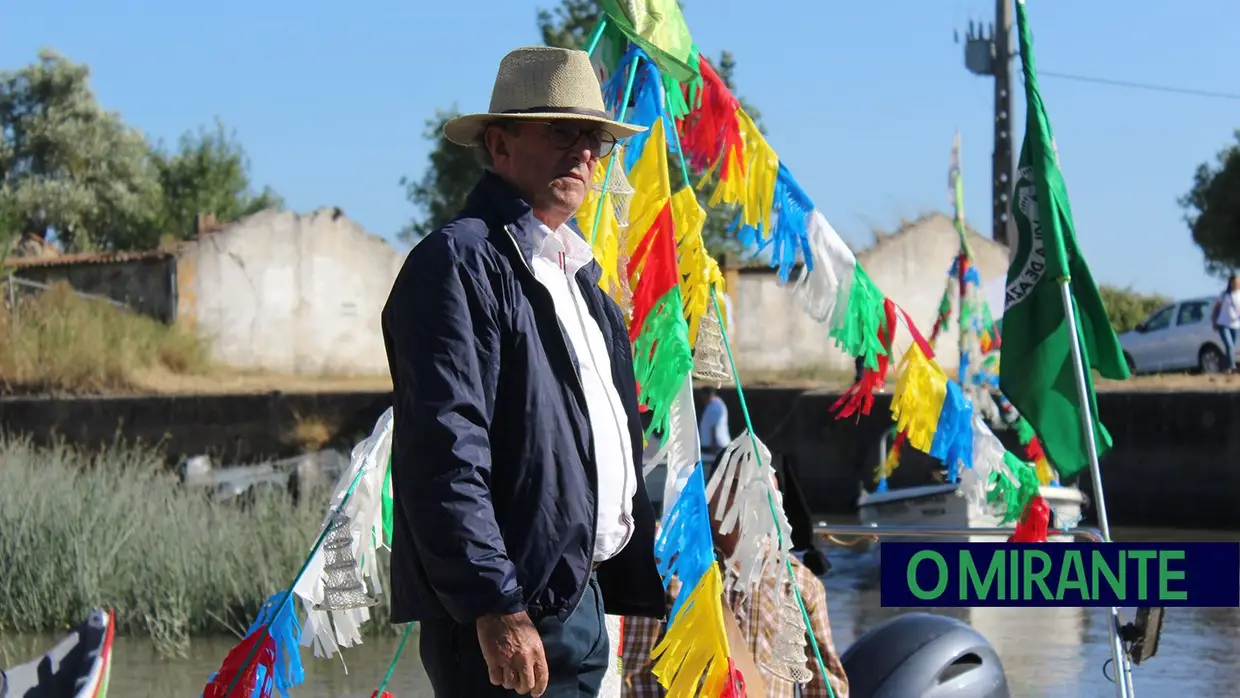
x=873 y=532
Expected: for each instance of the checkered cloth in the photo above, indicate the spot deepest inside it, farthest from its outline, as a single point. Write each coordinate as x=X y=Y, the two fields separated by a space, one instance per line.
x=757 y=617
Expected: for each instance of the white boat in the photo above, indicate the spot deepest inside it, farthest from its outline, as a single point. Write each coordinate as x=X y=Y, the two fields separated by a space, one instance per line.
x=942 y=506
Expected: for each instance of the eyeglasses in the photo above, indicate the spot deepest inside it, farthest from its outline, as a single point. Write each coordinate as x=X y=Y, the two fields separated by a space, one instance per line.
x=565 y=135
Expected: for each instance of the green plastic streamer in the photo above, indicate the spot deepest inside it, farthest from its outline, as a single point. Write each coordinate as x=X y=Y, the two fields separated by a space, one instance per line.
x=857 y=333
x=662 y=358
x=1013 y=497
x=387 y=503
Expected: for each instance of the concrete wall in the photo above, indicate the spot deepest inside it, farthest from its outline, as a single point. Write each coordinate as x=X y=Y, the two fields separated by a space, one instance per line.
x=290 y=293
x=144 y=284
x=772 y=332
x=1173 y=465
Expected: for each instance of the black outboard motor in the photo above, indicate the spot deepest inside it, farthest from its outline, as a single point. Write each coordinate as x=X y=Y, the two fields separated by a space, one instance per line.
x=921 y=655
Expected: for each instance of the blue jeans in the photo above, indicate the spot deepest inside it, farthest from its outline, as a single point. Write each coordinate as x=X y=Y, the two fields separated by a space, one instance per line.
x=1228 y=335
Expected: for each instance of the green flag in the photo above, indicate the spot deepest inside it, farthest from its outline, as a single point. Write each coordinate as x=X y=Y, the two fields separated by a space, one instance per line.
x=1036 y=371
x=659 y=28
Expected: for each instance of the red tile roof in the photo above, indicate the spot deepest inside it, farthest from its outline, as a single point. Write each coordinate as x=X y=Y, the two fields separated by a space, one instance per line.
x=88 y=258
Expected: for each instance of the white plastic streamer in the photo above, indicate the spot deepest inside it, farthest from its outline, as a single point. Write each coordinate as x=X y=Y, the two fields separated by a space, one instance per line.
x=825 y=288
x=681 y=448
x=329 y=630
x=764 y=545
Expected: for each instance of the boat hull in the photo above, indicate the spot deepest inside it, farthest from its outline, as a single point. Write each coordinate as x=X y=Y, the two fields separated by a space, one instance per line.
x=942 y=506
x=78 y=666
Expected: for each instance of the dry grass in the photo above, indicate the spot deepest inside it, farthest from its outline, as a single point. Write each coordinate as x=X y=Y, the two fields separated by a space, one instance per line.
x=116 y=529
x=221 y=381
x=59 y=342
x=310 y=433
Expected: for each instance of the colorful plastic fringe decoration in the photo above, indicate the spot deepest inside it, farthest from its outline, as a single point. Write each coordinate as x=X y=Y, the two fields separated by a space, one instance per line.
x=674 y=282
x=266 y=659
x=977 y=379
x=837 y=292
x=341 y=579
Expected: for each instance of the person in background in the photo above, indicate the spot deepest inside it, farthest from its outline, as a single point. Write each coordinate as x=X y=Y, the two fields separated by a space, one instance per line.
x=1226 y=316
x=520 y=513
x=713 y=427
x=758 y=618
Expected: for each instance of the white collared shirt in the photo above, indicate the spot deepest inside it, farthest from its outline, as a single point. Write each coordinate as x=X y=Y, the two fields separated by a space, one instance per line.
x=558 y=255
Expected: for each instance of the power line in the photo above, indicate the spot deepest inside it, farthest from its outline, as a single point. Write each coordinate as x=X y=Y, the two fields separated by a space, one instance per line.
x=1141 y=85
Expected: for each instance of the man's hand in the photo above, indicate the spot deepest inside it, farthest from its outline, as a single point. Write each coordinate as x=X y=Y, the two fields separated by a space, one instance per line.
x=514 y=653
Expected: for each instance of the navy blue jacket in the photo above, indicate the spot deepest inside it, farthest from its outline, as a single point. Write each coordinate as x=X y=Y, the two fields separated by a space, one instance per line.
x=493 y=467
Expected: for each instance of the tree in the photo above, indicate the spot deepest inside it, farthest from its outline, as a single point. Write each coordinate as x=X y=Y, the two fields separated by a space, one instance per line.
x=1212 y=210
x=69 y=170
x=208 y=173
x=452 y=170
x=448 y=179
x=73 y=172
x=1126 y=308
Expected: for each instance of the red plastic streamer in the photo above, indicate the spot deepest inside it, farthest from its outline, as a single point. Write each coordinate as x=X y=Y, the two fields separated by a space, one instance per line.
x=234 y=663
x=711 y=130
x=1034 y=524
x=860 y=397
x=735 y=688
x=656 y=255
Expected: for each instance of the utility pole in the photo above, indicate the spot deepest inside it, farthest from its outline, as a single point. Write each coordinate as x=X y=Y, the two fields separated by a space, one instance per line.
x=992 y=55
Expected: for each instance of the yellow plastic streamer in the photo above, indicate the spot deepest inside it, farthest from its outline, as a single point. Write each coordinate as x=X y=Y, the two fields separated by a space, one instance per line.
x=763 y=162
x=699 y=272
x=754 y=186
x=694 y=650
x=889 y=466
x=918 y=399
x=653 y=187
x=1045 y=474
x=607 y=241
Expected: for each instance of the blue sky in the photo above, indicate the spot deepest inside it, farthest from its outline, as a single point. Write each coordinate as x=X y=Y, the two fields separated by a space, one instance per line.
x=860 y=99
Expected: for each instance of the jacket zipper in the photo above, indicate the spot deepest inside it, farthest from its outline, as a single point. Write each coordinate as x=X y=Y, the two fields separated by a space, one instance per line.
x=581 y=593
x=625 y=519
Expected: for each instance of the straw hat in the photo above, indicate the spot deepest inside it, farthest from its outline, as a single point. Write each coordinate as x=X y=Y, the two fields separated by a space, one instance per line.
x=541 y=83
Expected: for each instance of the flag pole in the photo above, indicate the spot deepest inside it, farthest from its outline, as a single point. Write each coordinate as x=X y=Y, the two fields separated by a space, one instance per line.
x=1123 y=668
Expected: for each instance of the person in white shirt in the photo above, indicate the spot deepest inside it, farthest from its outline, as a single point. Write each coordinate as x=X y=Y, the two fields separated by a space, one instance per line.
x=520 y=514
x=1227 y=321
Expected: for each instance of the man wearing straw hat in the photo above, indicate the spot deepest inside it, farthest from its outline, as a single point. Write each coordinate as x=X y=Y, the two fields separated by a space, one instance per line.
x=520 y=510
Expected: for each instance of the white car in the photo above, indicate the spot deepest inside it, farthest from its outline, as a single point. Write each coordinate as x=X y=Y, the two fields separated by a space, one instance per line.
x=1176 y=337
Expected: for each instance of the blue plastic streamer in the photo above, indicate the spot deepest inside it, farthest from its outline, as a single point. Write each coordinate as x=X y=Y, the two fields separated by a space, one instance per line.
x=285 y=630
x=972 y=277
x=953 y=437
x=790 y=230
x=646 y=103
x=685 y=547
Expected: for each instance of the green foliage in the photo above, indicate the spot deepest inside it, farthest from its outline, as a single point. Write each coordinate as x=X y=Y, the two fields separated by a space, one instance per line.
x=1127 y=308
x=1212 y=210
x=448 y=179
x=66 y=165
x=570 y=24
x=72 y=171
x=208 y=173
x=452 y=171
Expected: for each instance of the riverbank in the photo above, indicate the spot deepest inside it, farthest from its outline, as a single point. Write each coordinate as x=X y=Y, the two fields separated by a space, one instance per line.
x=116 y=529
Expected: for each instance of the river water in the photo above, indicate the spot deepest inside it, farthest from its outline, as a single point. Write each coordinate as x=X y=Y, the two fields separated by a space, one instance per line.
x=1059 y=653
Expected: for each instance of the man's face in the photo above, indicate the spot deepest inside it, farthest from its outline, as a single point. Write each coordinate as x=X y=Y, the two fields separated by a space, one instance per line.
x=552 y=163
